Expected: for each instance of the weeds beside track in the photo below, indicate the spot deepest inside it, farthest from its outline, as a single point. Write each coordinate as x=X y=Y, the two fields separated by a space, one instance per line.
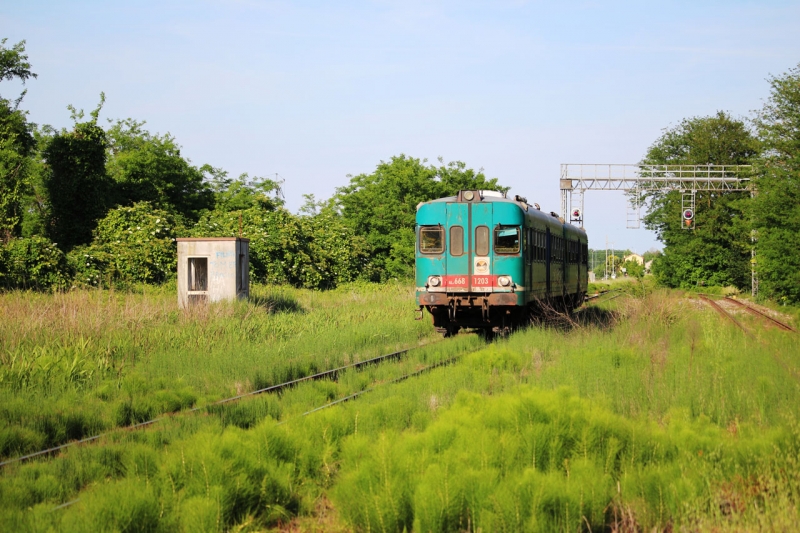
x=327 y=374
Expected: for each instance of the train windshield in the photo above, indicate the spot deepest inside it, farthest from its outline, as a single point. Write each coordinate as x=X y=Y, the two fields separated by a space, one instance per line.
x=431 y=239
x=506 y=239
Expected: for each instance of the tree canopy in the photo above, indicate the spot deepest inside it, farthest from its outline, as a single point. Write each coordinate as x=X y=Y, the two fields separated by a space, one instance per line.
x=146 y=167
x=777 y=204
x=717 y=251
x=16 y=142
x=382 y=206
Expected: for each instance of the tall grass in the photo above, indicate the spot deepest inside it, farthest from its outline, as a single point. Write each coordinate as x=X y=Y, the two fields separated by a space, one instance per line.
x=648 y=412
x=107 y=359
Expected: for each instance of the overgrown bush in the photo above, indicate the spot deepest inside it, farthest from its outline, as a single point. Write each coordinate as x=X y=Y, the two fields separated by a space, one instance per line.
x=316 y=252
x=33 y=263
x=131 y=245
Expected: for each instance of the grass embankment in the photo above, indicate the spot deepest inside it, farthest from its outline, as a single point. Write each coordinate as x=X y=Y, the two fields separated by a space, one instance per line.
x=74 y=364
x=649 y=412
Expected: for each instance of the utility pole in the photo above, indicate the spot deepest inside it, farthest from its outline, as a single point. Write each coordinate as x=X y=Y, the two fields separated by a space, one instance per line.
x=613 y=270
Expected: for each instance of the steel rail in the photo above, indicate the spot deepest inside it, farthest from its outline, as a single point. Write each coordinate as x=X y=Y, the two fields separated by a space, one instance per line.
x=390 y=382
x=778 y=359
x=332 y=373
x=755 y=312
x=333 y=403
x=593 y=299
x=718 y=308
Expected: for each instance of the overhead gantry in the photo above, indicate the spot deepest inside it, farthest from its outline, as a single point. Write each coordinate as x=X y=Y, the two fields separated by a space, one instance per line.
x=637 y=180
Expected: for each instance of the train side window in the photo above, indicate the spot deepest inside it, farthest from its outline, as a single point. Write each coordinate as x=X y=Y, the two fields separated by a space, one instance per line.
x=528 y=249
x=541 y=247
x=431 y=239
x=456 y=240
x=506 y=239
x=482 y=240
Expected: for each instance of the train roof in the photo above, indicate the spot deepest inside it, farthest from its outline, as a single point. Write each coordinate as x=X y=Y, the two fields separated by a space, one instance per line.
x=500 y=197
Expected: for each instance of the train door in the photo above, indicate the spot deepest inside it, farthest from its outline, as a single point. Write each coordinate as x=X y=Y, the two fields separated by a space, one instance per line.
x=480 y=261
x=457 y=257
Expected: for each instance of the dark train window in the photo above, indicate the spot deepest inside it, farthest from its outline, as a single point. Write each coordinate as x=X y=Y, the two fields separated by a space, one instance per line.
x=456 y=240
x=431 y=239
x=529 y=250
x=506 y=239
x=481 y=240
x=541 y=245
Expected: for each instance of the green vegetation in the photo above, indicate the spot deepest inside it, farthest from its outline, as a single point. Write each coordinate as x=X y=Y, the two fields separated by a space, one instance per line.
x=105 y=196
x=717 y=251
x=381 y=207
x=728 y=225
x=776 y=212
x=646 y=412
x=649 y=412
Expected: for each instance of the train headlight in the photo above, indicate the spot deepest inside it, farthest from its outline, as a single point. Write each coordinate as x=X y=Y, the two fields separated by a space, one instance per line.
x=469 y=195
x=504 y=281
x=434 y=281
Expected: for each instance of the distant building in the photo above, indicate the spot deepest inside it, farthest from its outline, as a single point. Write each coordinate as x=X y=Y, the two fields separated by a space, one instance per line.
x=634 y=257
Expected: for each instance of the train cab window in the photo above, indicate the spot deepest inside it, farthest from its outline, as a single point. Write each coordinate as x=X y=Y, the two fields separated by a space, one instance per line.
x=482 y=240
x=456 y=240
x=431 y=239
x=506 y=239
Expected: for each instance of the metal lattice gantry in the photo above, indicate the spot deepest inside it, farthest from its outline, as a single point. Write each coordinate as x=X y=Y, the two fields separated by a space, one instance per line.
x=576 y=179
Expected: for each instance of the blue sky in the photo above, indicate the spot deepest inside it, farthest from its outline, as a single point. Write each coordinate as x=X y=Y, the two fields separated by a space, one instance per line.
x=314 y=91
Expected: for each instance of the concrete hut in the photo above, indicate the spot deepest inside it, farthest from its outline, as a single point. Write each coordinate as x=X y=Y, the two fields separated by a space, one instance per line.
x=212 y=269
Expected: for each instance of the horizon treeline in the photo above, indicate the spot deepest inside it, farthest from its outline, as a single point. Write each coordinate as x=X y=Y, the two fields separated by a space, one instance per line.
x=96 y=205
x=102 y=206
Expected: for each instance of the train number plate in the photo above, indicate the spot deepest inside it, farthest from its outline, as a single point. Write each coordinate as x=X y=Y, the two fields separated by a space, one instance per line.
x=455 y=281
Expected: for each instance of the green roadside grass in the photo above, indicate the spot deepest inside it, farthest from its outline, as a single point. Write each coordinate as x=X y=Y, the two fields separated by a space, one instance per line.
x=648 y=412
x=75 y=364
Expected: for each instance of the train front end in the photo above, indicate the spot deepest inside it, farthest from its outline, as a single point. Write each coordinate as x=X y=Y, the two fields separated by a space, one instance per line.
x=469 y=263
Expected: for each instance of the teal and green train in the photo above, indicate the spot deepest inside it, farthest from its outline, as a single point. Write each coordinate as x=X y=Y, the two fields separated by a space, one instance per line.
x=487 y=261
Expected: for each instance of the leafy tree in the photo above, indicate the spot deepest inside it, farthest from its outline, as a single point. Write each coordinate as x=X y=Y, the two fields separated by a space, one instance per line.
x=16 y=142
x=243 y=192
x=14 y=62
x=149 y=168
x=78 y=188
x=381 y=207
x=317 y=252
x=717 y=251
x=777 y=204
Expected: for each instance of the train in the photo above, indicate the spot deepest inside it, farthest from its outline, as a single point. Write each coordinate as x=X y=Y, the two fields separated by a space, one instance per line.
x=490 y=262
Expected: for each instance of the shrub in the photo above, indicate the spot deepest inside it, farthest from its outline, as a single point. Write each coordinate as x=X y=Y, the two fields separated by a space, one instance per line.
x=33 y=263
x=316 y=252
x=131 y=245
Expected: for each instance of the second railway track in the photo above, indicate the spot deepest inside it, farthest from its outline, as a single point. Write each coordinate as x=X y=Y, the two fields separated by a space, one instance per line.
x=277 y=388
x=723 y=311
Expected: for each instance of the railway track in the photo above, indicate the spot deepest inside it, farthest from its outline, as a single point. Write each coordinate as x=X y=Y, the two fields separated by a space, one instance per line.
x=715 y=304
x=757 y=312
x=724 y=313
x=277 y=388
x=778 y=357
x=593 y=298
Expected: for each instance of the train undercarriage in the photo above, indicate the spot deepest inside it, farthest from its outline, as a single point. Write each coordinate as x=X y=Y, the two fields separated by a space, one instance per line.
x=497 y=313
